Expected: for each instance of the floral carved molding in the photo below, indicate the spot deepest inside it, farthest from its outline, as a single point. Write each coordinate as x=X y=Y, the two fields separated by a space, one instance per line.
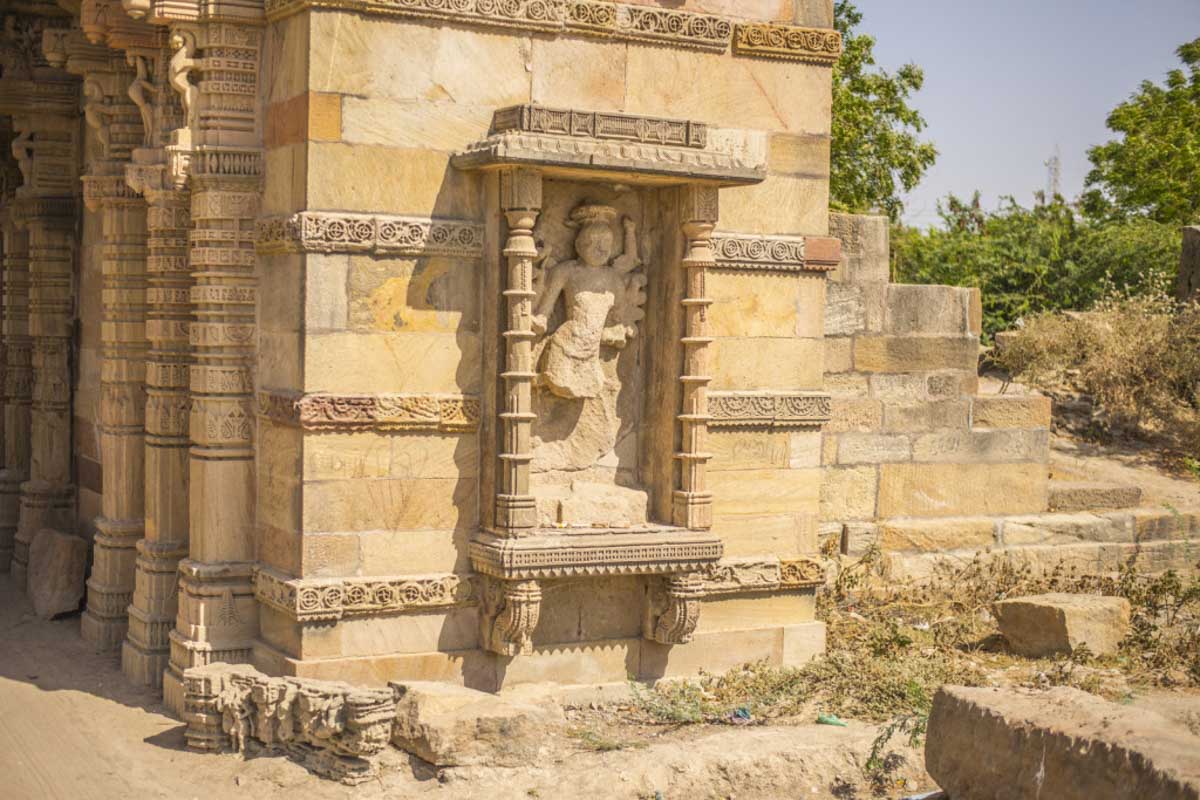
x=333 y=232
x=816 y=45
x=776 y=253
x=737 y=576
x=327 y=599
x=600 y=125
x=447 y=413
x=768 y=409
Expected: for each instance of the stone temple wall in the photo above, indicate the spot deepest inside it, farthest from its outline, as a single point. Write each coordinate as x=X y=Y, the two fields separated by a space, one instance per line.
x=911 y=438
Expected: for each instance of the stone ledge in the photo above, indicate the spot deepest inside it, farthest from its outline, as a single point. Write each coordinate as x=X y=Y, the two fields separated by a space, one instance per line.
x=557 y=553
x=331 y=412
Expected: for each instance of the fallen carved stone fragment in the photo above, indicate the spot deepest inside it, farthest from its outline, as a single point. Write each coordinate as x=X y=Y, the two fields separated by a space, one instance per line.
x=1059 y=624
x=334 y=729
x=57 y=568
x=1065 y=744
x=452 y=726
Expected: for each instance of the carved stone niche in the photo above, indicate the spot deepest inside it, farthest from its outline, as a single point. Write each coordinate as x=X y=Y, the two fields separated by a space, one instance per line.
x=594 y=425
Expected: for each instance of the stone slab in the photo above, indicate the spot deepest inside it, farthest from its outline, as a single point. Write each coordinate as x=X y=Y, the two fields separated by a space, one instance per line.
x=57 y=566
x=1046 y=625
x=1088 y=495
x=997 y=744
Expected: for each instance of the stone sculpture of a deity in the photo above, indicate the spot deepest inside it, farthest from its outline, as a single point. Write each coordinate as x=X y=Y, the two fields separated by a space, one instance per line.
x=603 y=301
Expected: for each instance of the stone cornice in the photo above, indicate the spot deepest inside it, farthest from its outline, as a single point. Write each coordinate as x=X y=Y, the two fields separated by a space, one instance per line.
x=775 y=253
x=768 y=409
x=335 y=231
x=769 y=574
x=600 y=125
x=329 y=412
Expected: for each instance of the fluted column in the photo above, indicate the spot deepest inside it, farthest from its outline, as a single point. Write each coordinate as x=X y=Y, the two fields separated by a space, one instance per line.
x=146 y=651
x=693 y=501
x=17 y=387
x=218 y=614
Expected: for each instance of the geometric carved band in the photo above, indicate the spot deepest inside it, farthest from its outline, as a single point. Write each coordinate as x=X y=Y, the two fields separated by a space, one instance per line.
x=327 y=599
x=338 y=232
x=608 y=20
x=776 y=253
x=599 y=125
x=328 y=412
x=768 y=409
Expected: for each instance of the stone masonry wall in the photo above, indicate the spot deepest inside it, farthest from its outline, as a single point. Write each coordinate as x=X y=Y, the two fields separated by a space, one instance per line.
x=910 y=436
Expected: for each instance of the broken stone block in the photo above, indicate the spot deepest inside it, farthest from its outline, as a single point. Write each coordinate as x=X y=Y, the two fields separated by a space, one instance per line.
x=1086 y=495
x=452 y=726
x=1056 y=624
x=57 y=569
x=1015 y=744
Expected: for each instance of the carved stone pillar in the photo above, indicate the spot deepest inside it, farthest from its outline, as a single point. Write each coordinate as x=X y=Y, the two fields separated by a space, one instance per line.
x=47 y=498
x=123 y=358
x=693 y=501
x=18 y=386
x=521 y=201
x=218 y=614
x=152 y=613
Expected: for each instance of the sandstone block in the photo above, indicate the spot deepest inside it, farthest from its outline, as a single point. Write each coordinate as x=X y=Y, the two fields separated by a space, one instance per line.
x=864 y=247
x=848 y=493
x=778 y=363
x=982 y=446
x=844 y=313
x=764 y=304
x=1046 y=529
x=1086 y=495
x=57 y=565
x=452 y=726
x=1015 y=744
x=935 y=535
x=869 y=448
x=1054 y=624
x=839 y=357
x=929 y=416
x=855 y=414
x=952 y=384
x=926 y=309
x=898 y=386
x=1010 y=411
x=845 y=383
x=915 y=353
x=960 y=490
x=789 y=154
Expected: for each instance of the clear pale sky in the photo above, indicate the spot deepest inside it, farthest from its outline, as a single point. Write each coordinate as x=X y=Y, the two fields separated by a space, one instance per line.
x=1005 y=82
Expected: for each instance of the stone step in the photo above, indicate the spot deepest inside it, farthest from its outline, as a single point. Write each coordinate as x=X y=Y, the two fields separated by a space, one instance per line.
x=1089 y=495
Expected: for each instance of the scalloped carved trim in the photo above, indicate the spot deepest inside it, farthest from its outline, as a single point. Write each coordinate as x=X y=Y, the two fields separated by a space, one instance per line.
x=319 y=412
x=813 y=45
x=600 y=125
x=333 y=232
x=768 y=409
x=776 y=253
x=327 y=599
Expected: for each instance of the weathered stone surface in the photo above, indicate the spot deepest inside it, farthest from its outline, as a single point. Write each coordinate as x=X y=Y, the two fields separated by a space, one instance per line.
x=869 y=448
x=915 y=353
x=848 y=493
x=1015 y=744
x=1052 y=624
x=956 y=490
x=864 y=247
x=983 y=446
x=927 y=416
x=913 y=309
x=1010 y=411
x=935 y=535
x=451 y=726
x=844 y=313
x=57 y=565
x=1087 y=495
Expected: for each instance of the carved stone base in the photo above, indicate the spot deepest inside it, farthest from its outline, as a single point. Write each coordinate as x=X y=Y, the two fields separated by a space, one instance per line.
x=508 y=616
x=142 y=666
x=105 y=622
x=147 y=647
x=673 y=609
x=42 y=506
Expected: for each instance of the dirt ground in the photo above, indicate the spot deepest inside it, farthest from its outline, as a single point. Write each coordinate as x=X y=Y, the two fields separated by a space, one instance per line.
x=72 y=727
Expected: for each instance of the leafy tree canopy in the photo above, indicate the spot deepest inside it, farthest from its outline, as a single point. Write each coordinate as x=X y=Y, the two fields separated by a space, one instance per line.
x=876 y=152
x=1153 y=169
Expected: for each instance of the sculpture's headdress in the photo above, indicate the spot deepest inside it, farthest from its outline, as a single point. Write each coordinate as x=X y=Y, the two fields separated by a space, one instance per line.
x=593 y=213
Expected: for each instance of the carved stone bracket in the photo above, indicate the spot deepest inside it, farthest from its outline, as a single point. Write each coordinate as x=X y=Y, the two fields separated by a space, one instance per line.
x=813 y=45
x=776 y=253
x=769 y=409
x=328 y=599
x=508 y=616
x=600 y=125
x=673 y=609
x=326 y=232
x=329 y=412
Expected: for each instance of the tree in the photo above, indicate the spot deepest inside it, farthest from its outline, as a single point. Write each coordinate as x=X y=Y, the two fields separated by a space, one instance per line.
x=876 y=151
x=1153 y=170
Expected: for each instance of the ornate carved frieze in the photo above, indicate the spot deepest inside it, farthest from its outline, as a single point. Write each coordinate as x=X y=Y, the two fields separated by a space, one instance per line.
x=673 y=609
x=776 y=253
x=320 y=412
x=326 y=599
x=583 y=17
x=814 y=45
x=739 y=576
x=552 y=554
x=334 y=729
x=330 y=232
x=600 y=125
x=769 y=409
